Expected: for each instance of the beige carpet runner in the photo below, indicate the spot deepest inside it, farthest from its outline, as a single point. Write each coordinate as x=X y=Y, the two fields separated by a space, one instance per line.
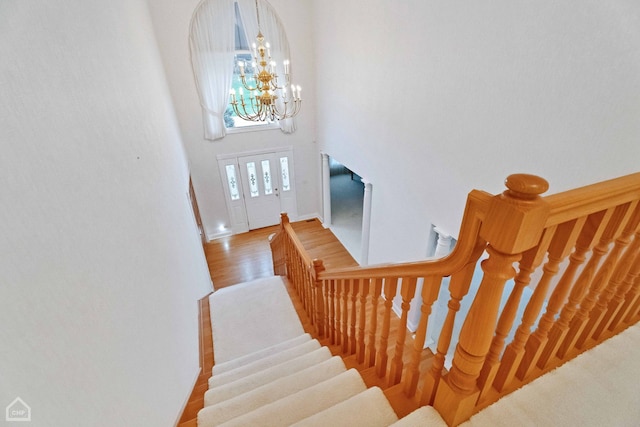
x=269 y=372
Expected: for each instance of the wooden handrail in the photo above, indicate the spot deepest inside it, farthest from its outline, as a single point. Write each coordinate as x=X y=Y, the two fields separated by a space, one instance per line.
x=585 y=241
x=592 y=198
x=308 y=261
x=475 y=210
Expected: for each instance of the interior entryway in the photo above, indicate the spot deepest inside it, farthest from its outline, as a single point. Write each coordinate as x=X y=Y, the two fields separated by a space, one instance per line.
x=259 y=186
x=346 y=210
x=347 y=192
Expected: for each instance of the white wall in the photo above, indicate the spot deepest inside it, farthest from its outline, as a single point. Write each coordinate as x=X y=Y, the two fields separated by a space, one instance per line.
x=430 y=99
x=100 y=260
x=171 y=22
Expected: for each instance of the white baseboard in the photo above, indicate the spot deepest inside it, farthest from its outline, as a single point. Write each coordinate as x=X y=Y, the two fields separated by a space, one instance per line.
x=229 y=231
x=308 y=216
x=214 y=236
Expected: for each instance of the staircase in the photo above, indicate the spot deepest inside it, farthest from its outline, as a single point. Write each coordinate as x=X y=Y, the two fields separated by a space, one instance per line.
x=579 y=252
x=297 y=381
x=283 y=377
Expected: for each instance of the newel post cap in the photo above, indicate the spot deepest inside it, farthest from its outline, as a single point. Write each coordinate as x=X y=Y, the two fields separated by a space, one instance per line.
x=525 y=186
x=516 y=218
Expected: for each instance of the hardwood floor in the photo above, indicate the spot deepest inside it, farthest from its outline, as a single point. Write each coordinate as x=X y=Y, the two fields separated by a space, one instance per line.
x=240 y=257
x=247 y=256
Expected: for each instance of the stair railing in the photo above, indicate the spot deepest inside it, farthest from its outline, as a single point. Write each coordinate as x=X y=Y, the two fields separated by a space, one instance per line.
x=577 y=254
x=292 y=260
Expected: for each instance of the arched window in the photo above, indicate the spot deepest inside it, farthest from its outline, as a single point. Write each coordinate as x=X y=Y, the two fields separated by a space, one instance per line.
x=222 y=32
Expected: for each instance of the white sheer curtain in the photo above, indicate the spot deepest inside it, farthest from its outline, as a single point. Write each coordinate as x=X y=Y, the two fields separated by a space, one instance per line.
x=212 y=46
x=274 y=33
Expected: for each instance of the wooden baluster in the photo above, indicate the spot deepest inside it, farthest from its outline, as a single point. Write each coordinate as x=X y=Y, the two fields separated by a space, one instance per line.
x=633 y=313
x=301 y=277
x=295 y=273
x=339 y=284
x=407 y=291
x=579 y=321
x=370 y=354
x=318 y=296
x=458 y=288
x=620 y=285
x=362 y=321
x=547 y=338
x=430 y=290
x=287 y=258
x=345 y=316
x=597 y=322
x=353 y=297
x=563 y=241
x=308 y=283
x=301 y=283
x=331 y=312
x=292 y=267
x=324 y=287
x=390 y=289
x=626 y=295
x=308 y=287
x=513 y=224
x=530 y=261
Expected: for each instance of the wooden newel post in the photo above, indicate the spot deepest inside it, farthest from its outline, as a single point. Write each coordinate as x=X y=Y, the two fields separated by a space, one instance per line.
x=278 y=244
x=284 y=219
x=514 y=223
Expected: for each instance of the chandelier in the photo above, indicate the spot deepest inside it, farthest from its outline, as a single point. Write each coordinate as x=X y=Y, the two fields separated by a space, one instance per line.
x=264 y=89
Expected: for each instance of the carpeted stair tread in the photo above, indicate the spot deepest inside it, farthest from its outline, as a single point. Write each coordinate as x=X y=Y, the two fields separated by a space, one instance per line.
x=251 y=316
x=260 y=354
x=423 y=416
x=598 y=388
x=303 y=404
x=292 y=384
x=250 y=382
x=264 y=363
x=367 y=409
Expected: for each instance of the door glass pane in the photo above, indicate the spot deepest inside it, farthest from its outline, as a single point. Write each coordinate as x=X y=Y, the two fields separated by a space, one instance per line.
x=253 y=179
x=266 y=175
x=233 y=182
x=284 y=168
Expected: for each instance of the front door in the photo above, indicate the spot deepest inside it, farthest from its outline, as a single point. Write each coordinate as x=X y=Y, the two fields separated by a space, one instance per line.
x=261 y=184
